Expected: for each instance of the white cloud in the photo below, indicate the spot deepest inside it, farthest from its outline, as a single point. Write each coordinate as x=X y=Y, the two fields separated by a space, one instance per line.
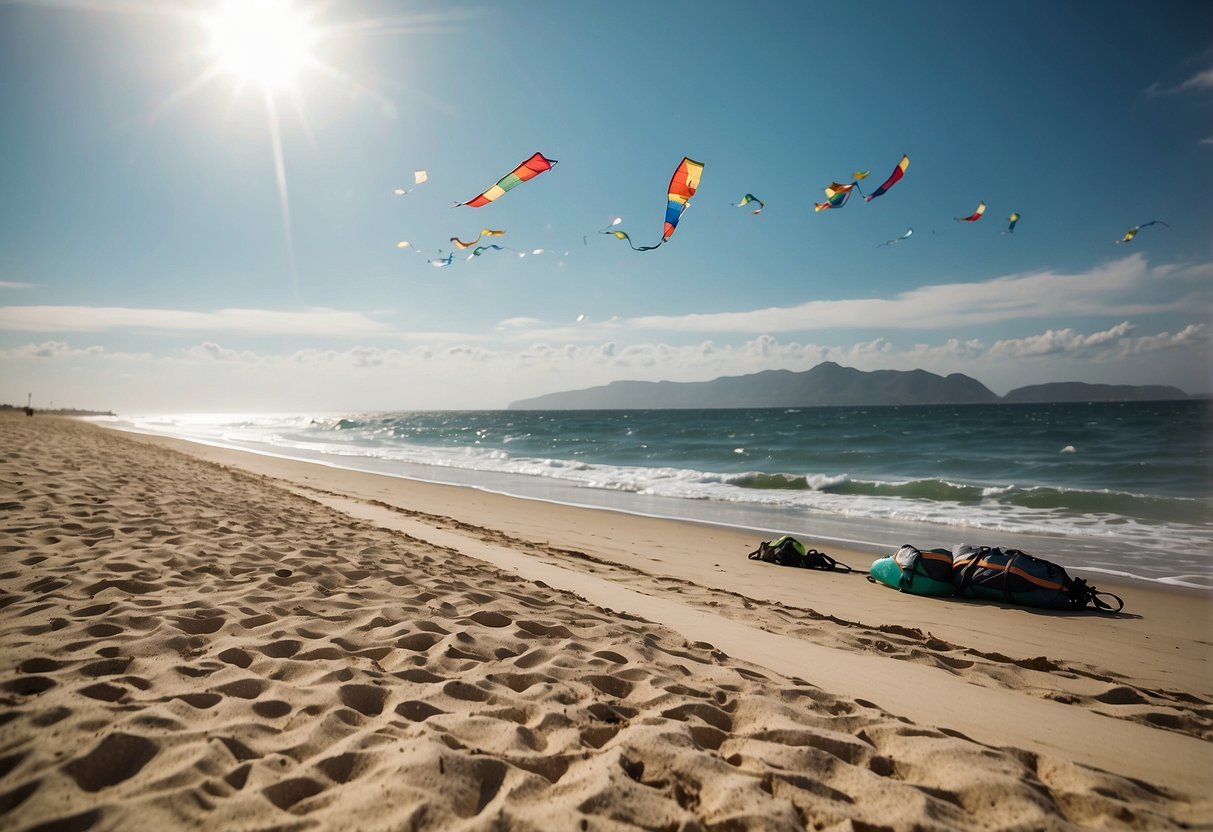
x=1103 y=291
x=518 y=323
x=1059 y=341
x=60 y=349
x=331 y=323
x=1202 y=80
x=12 y=284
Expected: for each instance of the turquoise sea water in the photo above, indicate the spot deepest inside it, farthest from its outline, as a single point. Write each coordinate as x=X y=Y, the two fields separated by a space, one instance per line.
x=1124 y=488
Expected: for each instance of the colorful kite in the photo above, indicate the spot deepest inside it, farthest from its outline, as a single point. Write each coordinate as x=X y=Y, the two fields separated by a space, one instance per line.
x=747 y=199
x=896 y=240
x=860 y=174
x=683 y=185
x=442 y=261
x=484 y=232
x=419 y=176
x=975 y=216
x=1132 y=232
x=893 y=179
x=836 y=196
x=529 y=169
x=1014 y=218
x=479 y=250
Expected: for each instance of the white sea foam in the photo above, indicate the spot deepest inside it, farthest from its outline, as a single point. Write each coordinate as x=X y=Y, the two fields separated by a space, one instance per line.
x=825 y=495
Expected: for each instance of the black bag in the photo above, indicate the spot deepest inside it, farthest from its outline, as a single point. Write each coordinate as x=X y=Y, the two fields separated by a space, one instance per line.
x=1016 y=577
x=788 y=551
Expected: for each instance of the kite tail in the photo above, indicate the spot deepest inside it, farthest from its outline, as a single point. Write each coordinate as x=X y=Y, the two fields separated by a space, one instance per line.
x=623 y=235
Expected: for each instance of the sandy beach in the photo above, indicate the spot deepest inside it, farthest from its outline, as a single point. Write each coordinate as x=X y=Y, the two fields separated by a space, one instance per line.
x=195 y=636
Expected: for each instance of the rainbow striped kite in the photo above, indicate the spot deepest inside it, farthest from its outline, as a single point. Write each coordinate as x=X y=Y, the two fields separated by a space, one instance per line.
x=836 y=196
x=683 y=185
x=975 y=216
x=893 y=179
x=529 y=169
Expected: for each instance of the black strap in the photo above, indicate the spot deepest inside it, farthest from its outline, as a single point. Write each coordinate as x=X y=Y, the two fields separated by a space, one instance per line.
x=823 y=561
x=1102 y=605
x=966 y=577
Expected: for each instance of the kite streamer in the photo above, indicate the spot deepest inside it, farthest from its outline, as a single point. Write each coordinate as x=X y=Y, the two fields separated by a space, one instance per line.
x=529 y=169
x=896 y=240
x=747 y=199
x=836 y=196
x=484 y=232
x=975 y=216
x=1132 y=232
x=893 y=179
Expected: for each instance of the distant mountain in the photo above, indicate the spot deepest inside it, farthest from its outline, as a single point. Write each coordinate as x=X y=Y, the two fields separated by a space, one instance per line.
x=1077 y=391
x=829 y=384
x=825 y=384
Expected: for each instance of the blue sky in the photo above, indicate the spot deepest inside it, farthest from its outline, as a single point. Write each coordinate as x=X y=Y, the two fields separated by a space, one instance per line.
x=149 y=261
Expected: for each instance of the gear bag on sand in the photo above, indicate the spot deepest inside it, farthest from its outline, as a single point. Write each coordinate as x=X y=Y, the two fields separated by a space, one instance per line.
x=1000 y=574
x=788 y=551
x=916 y=571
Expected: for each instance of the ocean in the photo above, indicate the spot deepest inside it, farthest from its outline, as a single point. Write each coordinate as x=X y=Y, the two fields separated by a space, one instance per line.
x=1116 y=488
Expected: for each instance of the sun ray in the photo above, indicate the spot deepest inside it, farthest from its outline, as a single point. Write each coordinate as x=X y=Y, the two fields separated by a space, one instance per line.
x=284 y=202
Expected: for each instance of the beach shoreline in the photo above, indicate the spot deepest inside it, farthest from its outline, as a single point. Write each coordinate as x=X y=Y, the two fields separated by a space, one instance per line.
x=294 y=637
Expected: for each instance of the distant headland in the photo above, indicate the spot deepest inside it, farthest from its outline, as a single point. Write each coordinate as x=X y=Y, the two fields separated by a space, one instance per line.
x=831 y=384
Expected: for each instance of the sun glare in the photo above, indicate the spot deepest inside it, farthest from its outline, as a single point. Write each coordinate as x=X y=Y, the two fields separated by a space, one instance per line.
x=267 y=43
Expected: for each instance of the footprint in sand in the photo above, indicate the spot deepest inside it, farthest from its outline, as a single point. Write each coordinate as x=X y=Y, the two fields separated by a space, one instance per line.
x=115 y=759
x=367 y=700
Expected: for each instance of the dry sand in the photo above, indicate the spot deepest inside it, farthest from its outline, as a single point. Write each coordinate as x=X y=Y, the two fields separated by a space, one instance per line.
x=270 y=644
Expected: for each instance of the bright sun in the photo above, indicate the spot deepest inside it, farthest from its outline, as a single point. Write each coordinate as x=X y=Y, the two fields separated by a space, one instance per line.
x=267 y=43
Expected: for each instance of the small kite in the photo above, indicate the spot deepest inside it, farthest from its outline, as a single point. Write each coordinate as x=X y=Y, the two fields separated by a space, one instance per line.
x=407 y=244
x=860 y=174
x=683 y=185
x=419 y=176
x=1014 y=218
x=975 y=216
x=896 y=240
x=893 y=179
x=1132 y=232
x=442 y=261
x=484 y=232
x=747 y=199
x=479 y=250
x=529 y=169
x=836 y=196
